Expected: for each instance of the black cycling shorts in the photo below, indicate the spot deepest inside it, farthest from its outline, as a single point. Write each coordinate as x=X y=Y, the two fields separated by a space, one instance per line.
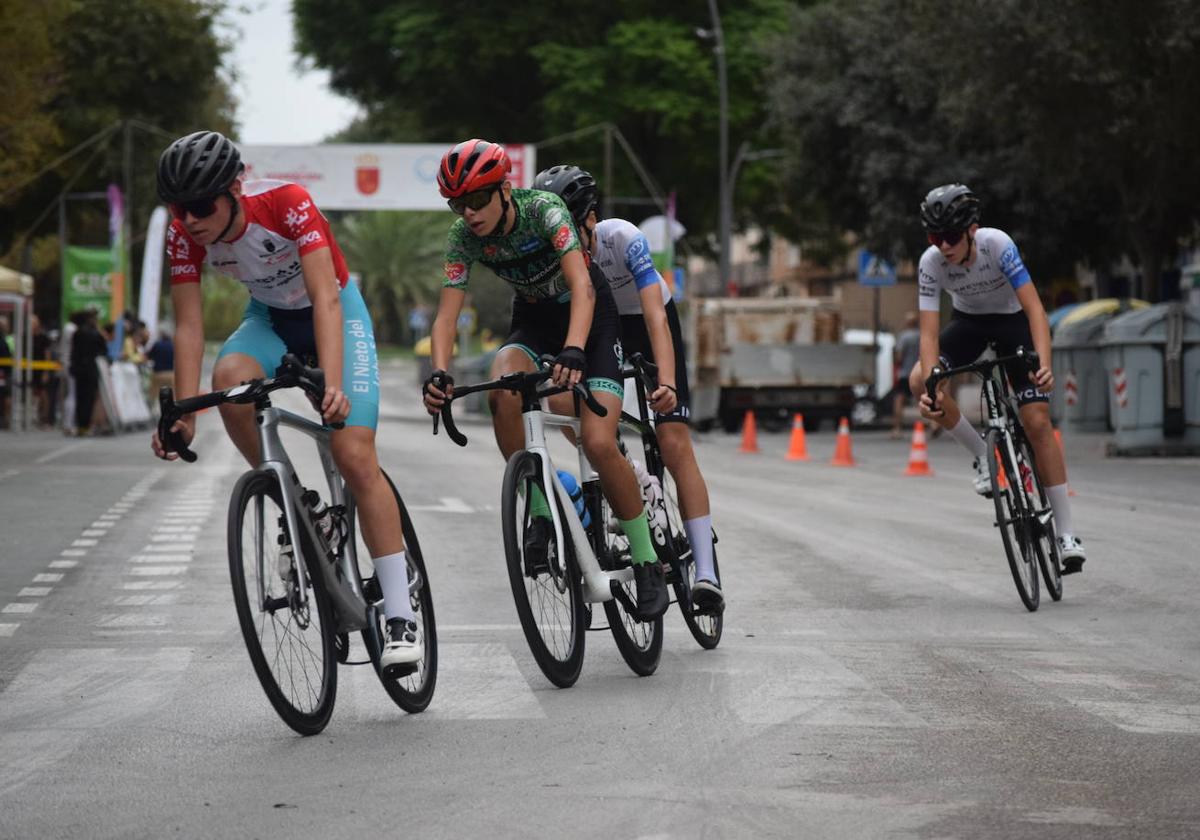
x=964 y=339
x=636 y=339
x=540 y=328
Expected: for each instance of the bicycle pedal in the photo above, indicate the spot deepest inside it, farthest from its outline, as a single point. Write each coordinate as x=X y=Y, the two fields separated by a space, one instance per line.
x=406 y=669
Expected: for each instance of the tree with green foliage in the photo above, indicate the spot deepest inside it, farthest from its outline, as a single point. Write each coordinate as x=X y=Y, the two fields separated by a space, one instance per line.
x=530 y=71
x=1072 y=122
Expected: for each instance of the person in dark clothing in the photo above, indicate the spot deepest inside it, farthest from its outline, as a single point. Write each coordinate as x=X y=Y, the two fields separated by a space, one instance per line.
x=87 y=346
x=162 y=363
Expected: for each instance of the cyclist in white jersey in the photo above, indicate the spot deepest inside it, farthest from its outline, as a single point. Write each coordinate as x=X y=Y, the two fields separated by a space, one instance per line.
x=271 y=237
x=994 y=300
x=649 y=325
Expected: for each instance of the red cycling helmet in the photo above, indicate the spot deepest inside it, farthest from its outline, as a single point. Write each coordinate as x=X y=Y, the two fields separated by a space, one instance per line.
x=472 y=165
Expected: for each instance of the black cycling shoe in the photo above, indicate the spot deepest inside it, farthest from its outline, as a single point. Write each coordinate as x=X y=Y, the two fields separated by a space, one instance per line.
x=707 y=597
x=536 y=547
x=652 y=598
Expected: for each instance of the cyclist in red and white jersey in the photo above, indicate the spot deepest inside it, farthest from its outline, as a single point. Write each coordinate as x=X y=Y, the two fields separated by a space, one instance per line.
x=271 y=236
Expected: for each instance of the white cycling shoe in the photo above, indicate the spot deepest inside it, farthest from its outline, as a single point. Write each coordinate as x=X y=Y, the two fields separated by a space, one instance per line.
x=1070 y=549
x=982 y=478
x=403 y=648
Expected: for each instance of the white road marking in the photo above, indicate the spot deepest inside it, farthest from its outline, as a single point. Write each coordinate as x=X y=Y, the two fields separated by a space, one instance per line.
x=64 y=564
x=113 y=517
x=151 y=584
x=154 y=571
x=145 y=600
x=34 y=591
x=177 y=529
x=171 y=538
x=161 y=558
x=20 y=607
x=93 y=532
x=58 y=453
x=99 y=524
x=9 y=473
x=131 y=620
x=8 y=629
x=84 y=543
x=73 y=552
x=167 y=548
x=47 y=578
x=449 y=504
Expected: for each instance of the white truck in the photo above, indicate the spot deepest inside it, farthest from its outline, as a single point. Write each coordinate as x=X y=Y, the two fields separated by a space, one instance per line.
x=776 y=357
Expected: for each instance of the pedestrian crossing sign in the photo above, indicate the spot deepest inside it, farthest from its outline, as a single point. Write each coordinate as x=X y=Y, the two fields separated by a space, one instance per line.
x=874 y=270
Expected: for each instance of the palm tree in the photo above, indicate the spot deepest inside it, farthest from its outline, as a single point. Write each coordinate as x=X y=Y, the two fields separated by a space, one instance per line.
x=399 y=256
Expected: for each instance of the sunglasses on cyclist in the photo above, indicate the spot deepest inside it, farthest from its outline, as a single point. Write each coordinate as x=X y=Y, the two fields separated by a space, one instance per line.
x=473 y=200
x=201 y=208
x=950 y=239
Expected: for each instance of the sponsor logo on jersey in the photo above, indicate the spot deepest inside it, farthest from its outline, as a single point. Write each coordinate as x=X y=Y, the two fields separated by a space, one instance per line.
x=296 y=217
x=490 y=251
x=183 y=270
x=561 y=237
x=309 y=238
x=529 y=246
x=269 y=245
x=455 y=271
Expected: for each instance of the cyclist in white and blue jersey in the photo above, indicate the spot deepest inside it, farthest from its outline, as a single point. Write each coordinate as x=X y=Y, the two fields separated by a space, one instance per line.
x=994 y=300
x=650 y=326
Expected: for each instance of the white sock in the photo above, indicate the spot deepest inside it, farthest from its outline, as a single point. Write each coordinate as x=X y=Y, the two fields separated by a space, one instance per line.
x=965 y=434
x=392 y=571
x=699 y=534
x=1062 y=510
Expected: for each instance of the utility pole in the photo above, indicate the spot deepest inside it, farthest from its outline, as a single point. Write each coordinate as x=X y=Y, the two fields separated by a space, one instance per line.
x=725 y=211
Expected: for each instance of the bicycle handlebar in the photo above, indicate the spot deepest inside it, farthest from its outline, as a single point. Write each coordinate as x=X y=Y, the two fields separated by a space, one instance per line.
x=639 y=367
x=1027 y=357
x=521 y=382
x=291 y=373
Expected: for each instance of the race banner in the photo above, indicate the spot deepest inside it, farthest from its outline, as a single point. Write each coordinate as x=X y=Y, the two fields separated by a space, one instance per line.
x=363 y=176
x=87 y=281
x=152 y=263
x=116 y=231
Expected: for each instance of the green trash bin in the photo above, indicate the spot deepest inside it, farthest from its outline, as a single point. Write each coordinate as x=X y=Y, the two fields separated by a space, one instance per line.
x=1152 y=359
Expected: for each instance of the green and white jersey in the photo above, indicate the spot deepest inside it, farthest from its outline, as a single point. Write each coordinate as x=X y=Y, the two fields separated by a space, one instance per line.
x=529 y=258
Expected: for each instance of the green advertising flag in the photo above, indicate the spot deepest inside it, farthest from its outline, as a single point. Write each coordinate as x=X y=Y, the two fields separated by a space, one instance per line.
x=87 y=281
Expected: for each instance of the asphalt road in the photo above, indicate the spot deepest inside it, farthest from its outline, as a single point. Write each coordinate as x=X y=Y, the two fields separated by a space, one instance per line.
x=878 y=675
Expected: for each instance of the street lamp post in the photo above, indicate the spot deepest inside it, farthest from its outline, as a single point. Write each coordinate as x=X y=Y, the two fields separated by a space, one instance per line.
x=725 y=209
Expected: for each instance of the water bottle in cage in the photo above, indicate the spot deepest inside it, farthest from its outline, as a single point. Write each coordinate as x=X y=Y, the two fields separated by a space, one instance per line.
x=576 y=493
x=324 y=517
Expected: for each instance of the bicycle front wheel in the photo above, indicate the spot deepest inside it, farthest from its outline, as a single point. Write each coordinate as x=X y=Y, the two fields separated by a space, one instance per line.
x=706 y=627
x=288 y=630
x=1042 y=524
x=1013 y=517
x=414 y=691
x=546 y=586
x=640 y=642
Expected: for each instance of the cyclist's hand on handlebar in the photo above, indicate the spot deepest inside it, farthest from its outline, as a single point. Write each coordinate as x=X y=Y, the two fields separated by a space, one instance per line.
x=1043 y=378
x=437 y=387
x=664 y=399
x=185 y=426
x=335 y=405
x=929 y=409
x=568 y=366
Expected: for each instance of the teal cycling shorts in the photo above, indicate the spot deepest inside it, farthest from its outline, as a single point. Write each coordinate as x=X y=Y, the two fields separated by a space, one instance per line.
x=267 y=334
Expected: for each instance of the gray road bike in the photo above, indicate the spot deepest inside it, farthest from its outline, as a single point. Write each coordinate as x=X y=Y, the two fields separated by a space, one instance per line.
x=300 y=588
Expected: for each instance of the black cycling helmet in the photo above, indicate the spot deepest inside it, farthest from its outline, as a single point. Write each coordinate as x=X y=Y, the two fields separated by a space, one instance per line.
x=201 y=165
x=949 y=208
x=576 y=187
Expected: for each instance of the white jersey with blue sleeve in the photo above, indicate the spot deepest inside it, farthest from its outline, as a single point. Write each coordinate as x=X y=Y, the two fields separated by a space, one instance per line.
x=623 y=254
x=987 y=287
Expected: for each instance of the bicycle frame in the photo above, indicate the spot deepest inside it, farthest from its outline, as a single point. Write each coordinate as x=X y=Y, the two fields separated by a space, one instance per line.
x=344 y=590
x=597 y=582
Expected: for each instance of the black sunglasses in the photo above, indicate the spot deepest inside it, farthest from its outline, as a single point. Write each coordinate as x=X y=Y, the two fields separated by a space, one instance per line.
x=201 y=208
x=474 y=200
x=950 y=239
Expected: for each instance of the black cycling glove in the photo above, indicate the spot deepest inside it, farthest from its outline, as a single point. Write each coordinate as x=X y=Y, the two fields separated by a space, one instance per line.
x=571 y=358
x=438 y=379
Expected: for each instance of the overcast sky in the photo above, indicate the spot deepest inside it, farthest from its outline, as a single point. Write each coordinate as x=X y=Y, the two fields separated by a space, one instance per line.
x=276 y=103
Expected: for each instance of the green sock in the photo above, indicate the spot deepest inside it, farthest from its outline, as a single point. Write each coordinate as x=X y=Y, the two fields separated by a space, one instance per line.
x=537 y=504
x=640 y=546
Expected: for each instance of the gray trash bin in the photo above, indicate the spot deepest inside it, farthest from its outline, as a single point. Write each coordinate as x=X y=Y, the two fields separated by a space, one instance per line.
x=1080 y=396
x=1152 y=358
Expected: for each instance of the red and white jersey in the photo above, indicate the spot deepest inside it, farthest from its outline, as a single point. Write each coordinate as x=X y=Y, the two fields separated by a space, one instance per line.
x=283 y=224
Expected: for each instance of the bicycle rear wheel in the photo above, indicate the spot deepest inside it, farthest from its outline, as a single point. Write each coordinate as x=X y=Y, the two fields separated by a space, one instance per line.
x=546 y=590
x=706 y=627
x=412 y=692
x=289 y=633
x=640 y=642
x=1013 y=518
x=1042 y=524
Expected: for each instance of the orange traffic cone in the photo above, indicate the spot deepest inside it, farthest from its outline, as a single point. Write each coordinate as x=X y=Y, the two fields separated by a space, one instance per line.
x=749 y=434
x=798 y=449
x=918 y=457
x=1058 y=437
x=842 y=456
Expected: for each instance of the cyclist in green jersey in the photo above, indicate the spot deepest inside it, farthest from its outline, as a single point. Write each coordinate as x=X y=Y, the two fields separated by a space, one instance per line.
x=562 y=306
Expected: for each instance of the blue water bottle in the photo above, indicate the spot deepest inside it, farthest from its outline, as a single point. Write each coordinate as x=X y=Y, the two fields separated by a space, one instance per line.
x=576 y=493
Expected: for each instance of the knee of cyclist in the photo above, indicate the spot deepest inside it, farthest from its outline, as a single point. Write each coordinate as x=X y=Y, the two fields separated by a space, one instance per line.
x=675 y=449
x=358 y=468
x=501 y=402
x=1037 y=426
x=600 y=447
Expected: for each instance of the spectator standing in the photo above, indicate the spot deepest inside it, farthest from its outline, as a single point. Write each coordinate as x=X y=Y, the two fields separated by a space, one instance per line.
x=906 y=354
x=162 y=365
x=87 y=345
